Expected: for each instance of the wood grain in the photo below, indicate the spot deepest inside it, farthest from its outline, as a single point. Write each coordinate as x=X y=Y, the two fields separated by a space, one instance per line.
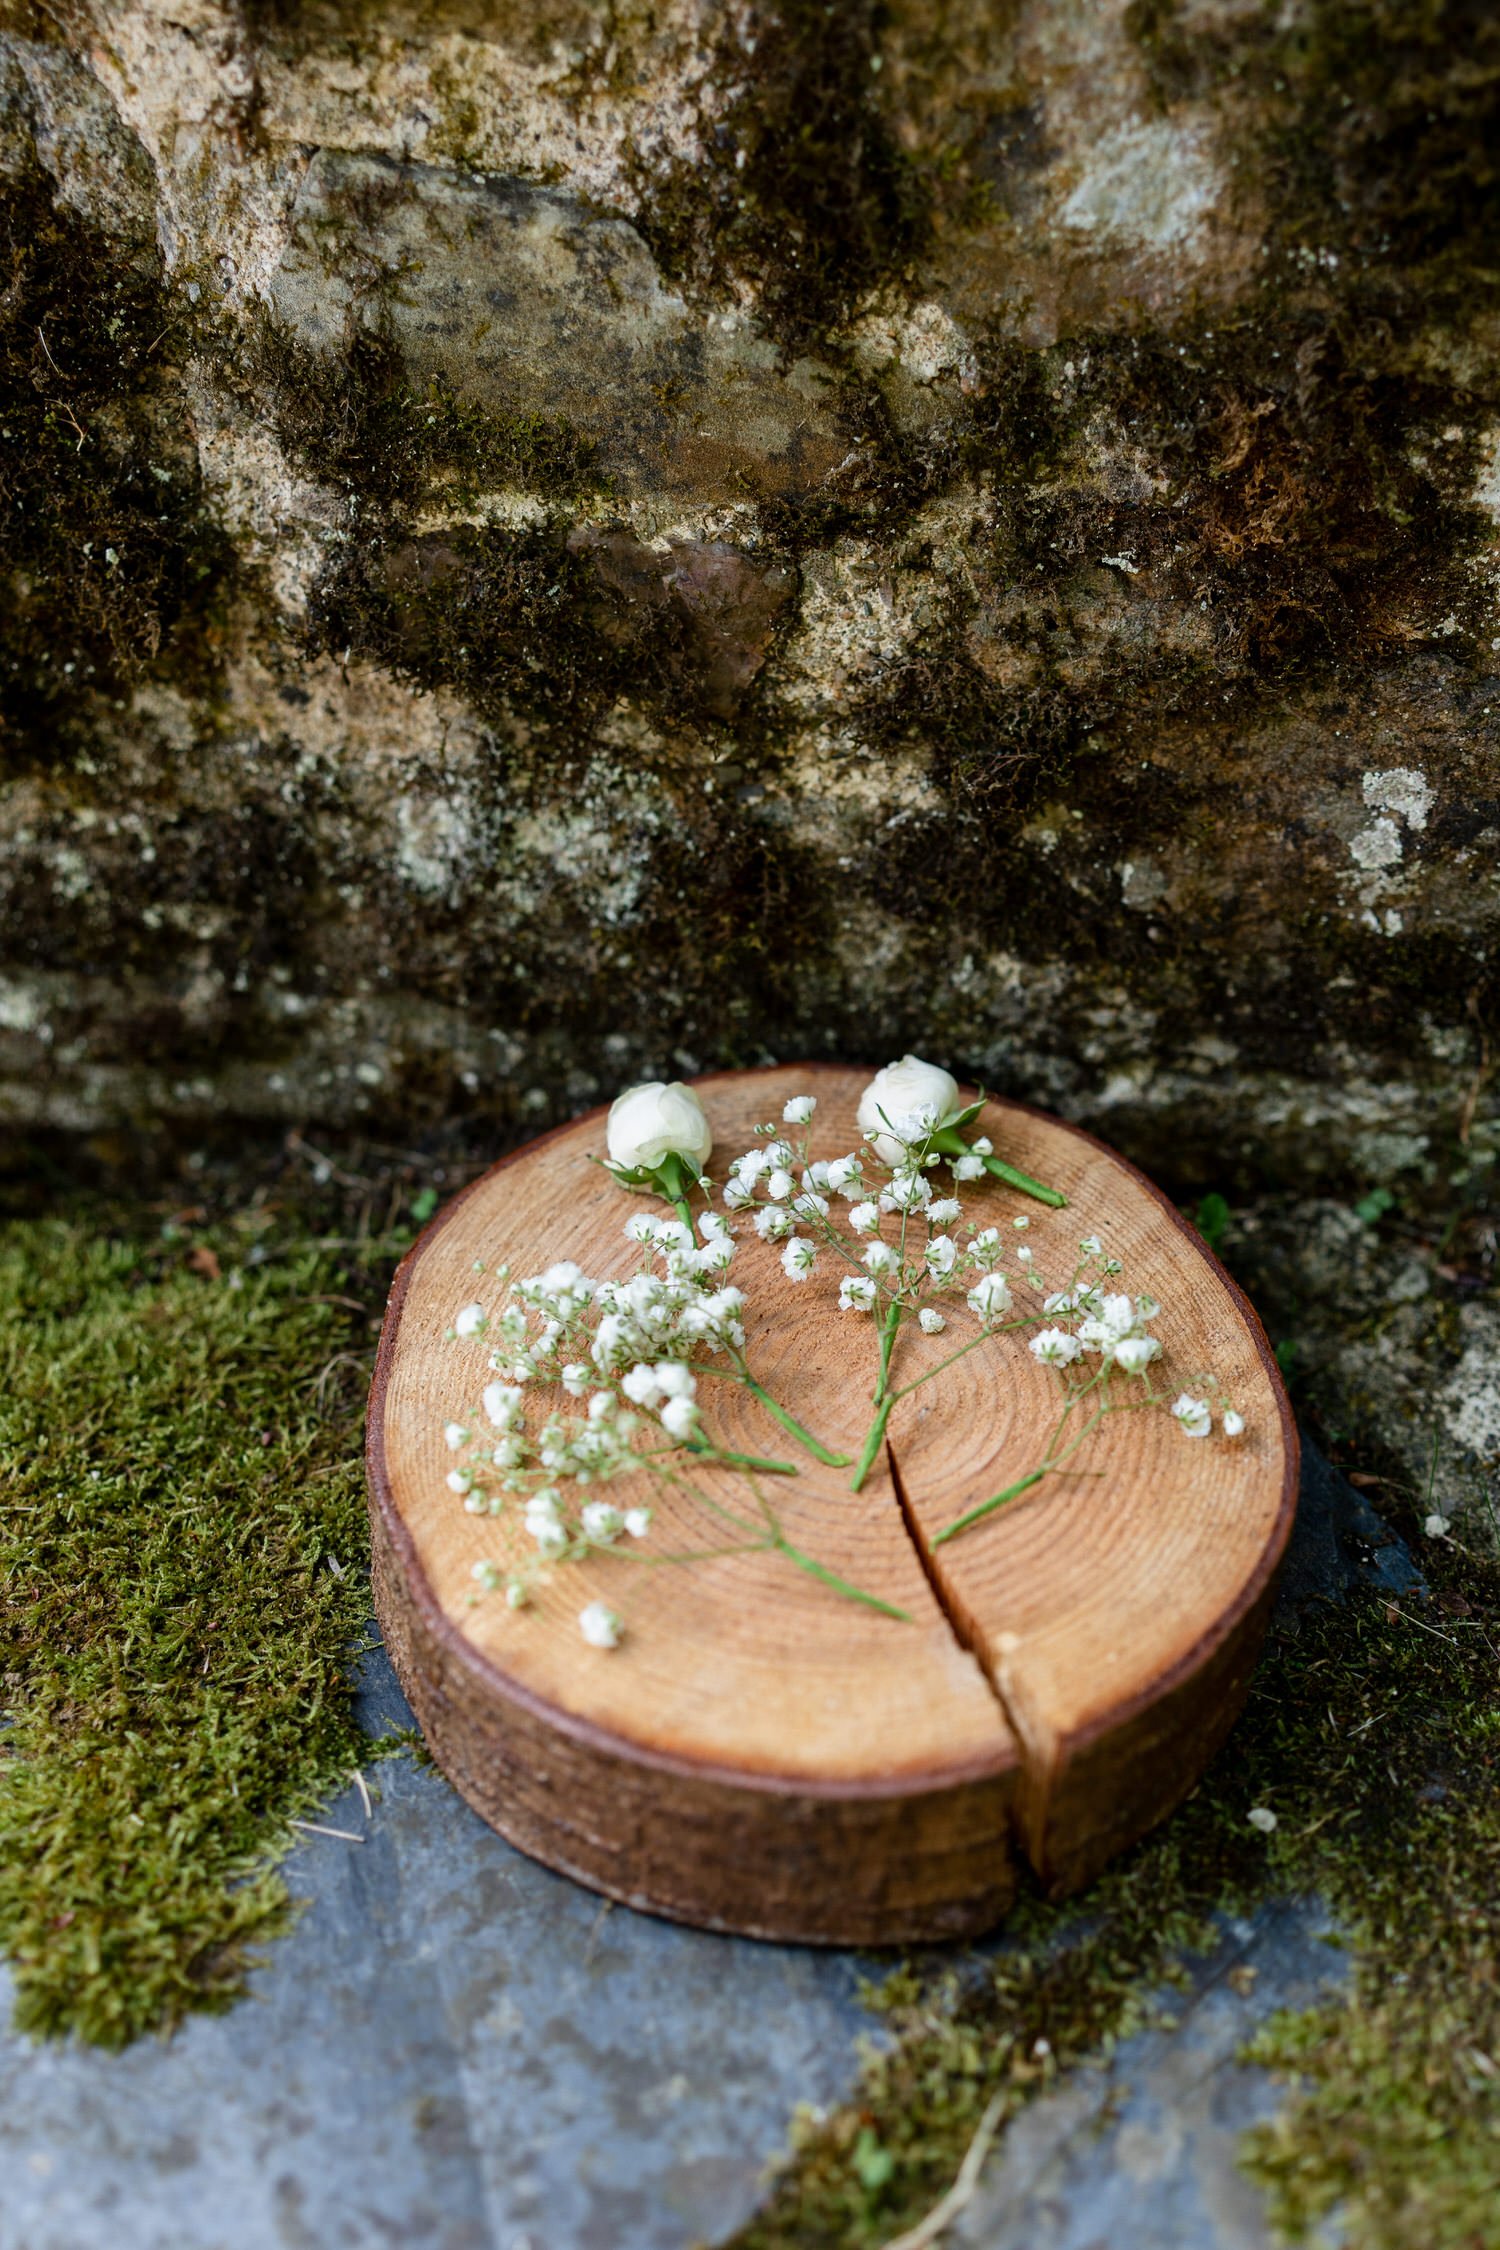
x=760 y=1754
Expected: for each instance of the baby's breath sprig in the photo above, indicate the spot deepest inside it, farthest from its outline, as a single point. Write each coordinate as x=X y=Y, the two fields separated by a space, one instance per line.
x=634 y=1351
x=900 y=1248
x=911 y=1090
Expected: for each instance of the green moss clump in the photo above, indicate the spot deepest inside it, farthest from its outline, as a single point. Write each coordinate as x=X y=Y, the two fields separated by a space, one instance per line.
x=181 y=1591
x=1397 y=1826
x=806 y=191
x=114 y=566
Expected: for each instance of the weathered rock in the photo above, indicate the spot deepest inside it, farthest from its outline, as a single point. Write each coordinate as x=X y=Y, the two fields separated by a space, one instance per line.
x=547 y=543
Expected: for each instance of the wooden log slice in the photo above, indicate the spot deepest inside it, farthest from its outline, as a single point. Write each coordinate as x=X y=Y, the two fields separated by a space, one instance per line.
x=761 y=1754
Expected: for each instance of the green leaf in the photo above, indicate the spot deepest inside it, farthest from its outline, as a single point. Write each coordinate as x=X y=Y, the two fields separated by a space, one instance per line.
x=873 y=2164
x=1372 y=1208
x=423 y=1205
x=1212 y=1219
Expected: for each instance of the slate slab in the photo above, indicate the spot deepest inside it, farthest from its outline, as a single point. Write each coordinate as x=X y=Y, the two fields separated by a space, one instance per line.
x=458 y=2050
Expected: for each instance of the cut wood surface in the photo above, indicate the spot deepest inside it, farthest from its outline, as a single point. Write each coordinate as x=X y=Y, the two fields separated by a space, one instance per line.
x=760 y=1753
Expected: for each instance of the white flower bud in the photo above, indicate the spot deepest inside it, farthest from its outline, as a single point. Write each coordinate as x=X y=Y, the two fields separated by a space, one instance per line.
x=799 y=1109
x=599 y=1626
x=651 y=1121
x=897 y=1092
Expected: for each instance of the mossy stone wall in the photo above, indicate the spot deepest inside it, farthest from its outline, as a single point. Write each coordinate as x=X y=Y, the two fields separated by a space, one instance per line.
x=547 y=544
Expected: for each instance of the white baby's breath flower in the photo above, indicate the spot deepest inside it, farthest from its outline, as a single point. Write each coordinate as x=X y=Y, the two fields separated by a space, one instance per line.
x=967 y=1167
x=774 y=1221
x=602 y=1523
x=798 y=1258
x=713 y=1228
x=575 y=1378
x=679 y=1418
x=641 y=1228
x=982 y=1145
x=1435 y=1527
x=931 y=1321
x=454 y=1435
x=1054 y=1347
x=810 y=1205
x=1261 y=1817
x=799 y=1109
x=845 y=1173
x=738 y=1194
x=1192 y=1415
x=676 y=1380
x=640 y=1385
x=459 y=1480
x=941 y=1255
x=509 y=1453
x=1091 y=1246
x=985 y=1247
x=780 y=1184
x=865 y=1217
x=906 y=1191
x=485 y=1574
x=990 y=1297
x=1234 y=1422
x=896 y=1094
x=1025 y=1255
x=516 y=1596
x=599 y=1626
x=503 y=1406
x=1135 y=1353
x=881 y=1258
x=944 y=1211
x=653 y=1121
x=472 y=1321
x=856 y=1293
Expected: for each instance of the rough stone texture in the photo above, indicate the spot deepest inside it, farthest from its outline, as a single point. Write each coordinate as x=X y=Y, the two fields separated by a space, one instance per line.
x=551 y=541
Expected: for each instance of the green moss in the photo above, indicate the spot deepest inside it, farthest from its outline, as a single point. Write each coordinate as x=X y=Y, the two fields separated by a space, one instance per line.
x=182 y=1585
x=114 y=566
x=1397 y=1826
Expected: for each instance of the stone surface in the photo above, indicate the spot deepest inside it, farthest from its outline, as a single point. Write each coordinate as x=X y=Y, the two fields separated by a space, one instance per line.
x=458 y=2048
x=693 y=535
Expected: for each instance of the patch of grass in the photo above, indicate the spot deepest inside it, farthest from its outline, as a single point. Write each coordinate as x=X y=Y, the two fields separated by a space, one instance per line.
x=1372 y=1735
x=182 y=1587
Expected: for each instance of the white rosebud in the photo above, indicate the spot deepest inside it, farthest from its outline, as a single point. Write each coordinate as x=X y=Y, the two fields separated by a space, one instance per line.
x=637 y=1522
x=1135 y=1354
x=864 y=1218
x=1192 y=1415
x=799 y=1109
x=471 y=1321
x=1054 y=1347
x=1261 y=1817
x=599 y=1626
x=896 y=1093
x=1234 y=1422
x=931 y=1321
x=652 y=1121
x=454 y=1435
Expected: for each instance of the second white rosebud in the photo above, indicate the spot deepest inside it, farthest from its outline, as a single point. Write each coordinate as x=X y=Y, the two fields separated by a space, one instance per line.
x=653 y=1121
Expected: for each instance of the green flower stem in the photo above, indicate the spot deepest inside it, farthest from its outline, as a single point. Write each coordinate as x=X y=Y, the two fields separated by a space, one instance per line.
x=1028 y=1186
x=831 y=1578
x=988 y=1507
x=788 y=1422
x=888 y=1332
x=708 y=1452
x=872 y=1444
x=674 y=1178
